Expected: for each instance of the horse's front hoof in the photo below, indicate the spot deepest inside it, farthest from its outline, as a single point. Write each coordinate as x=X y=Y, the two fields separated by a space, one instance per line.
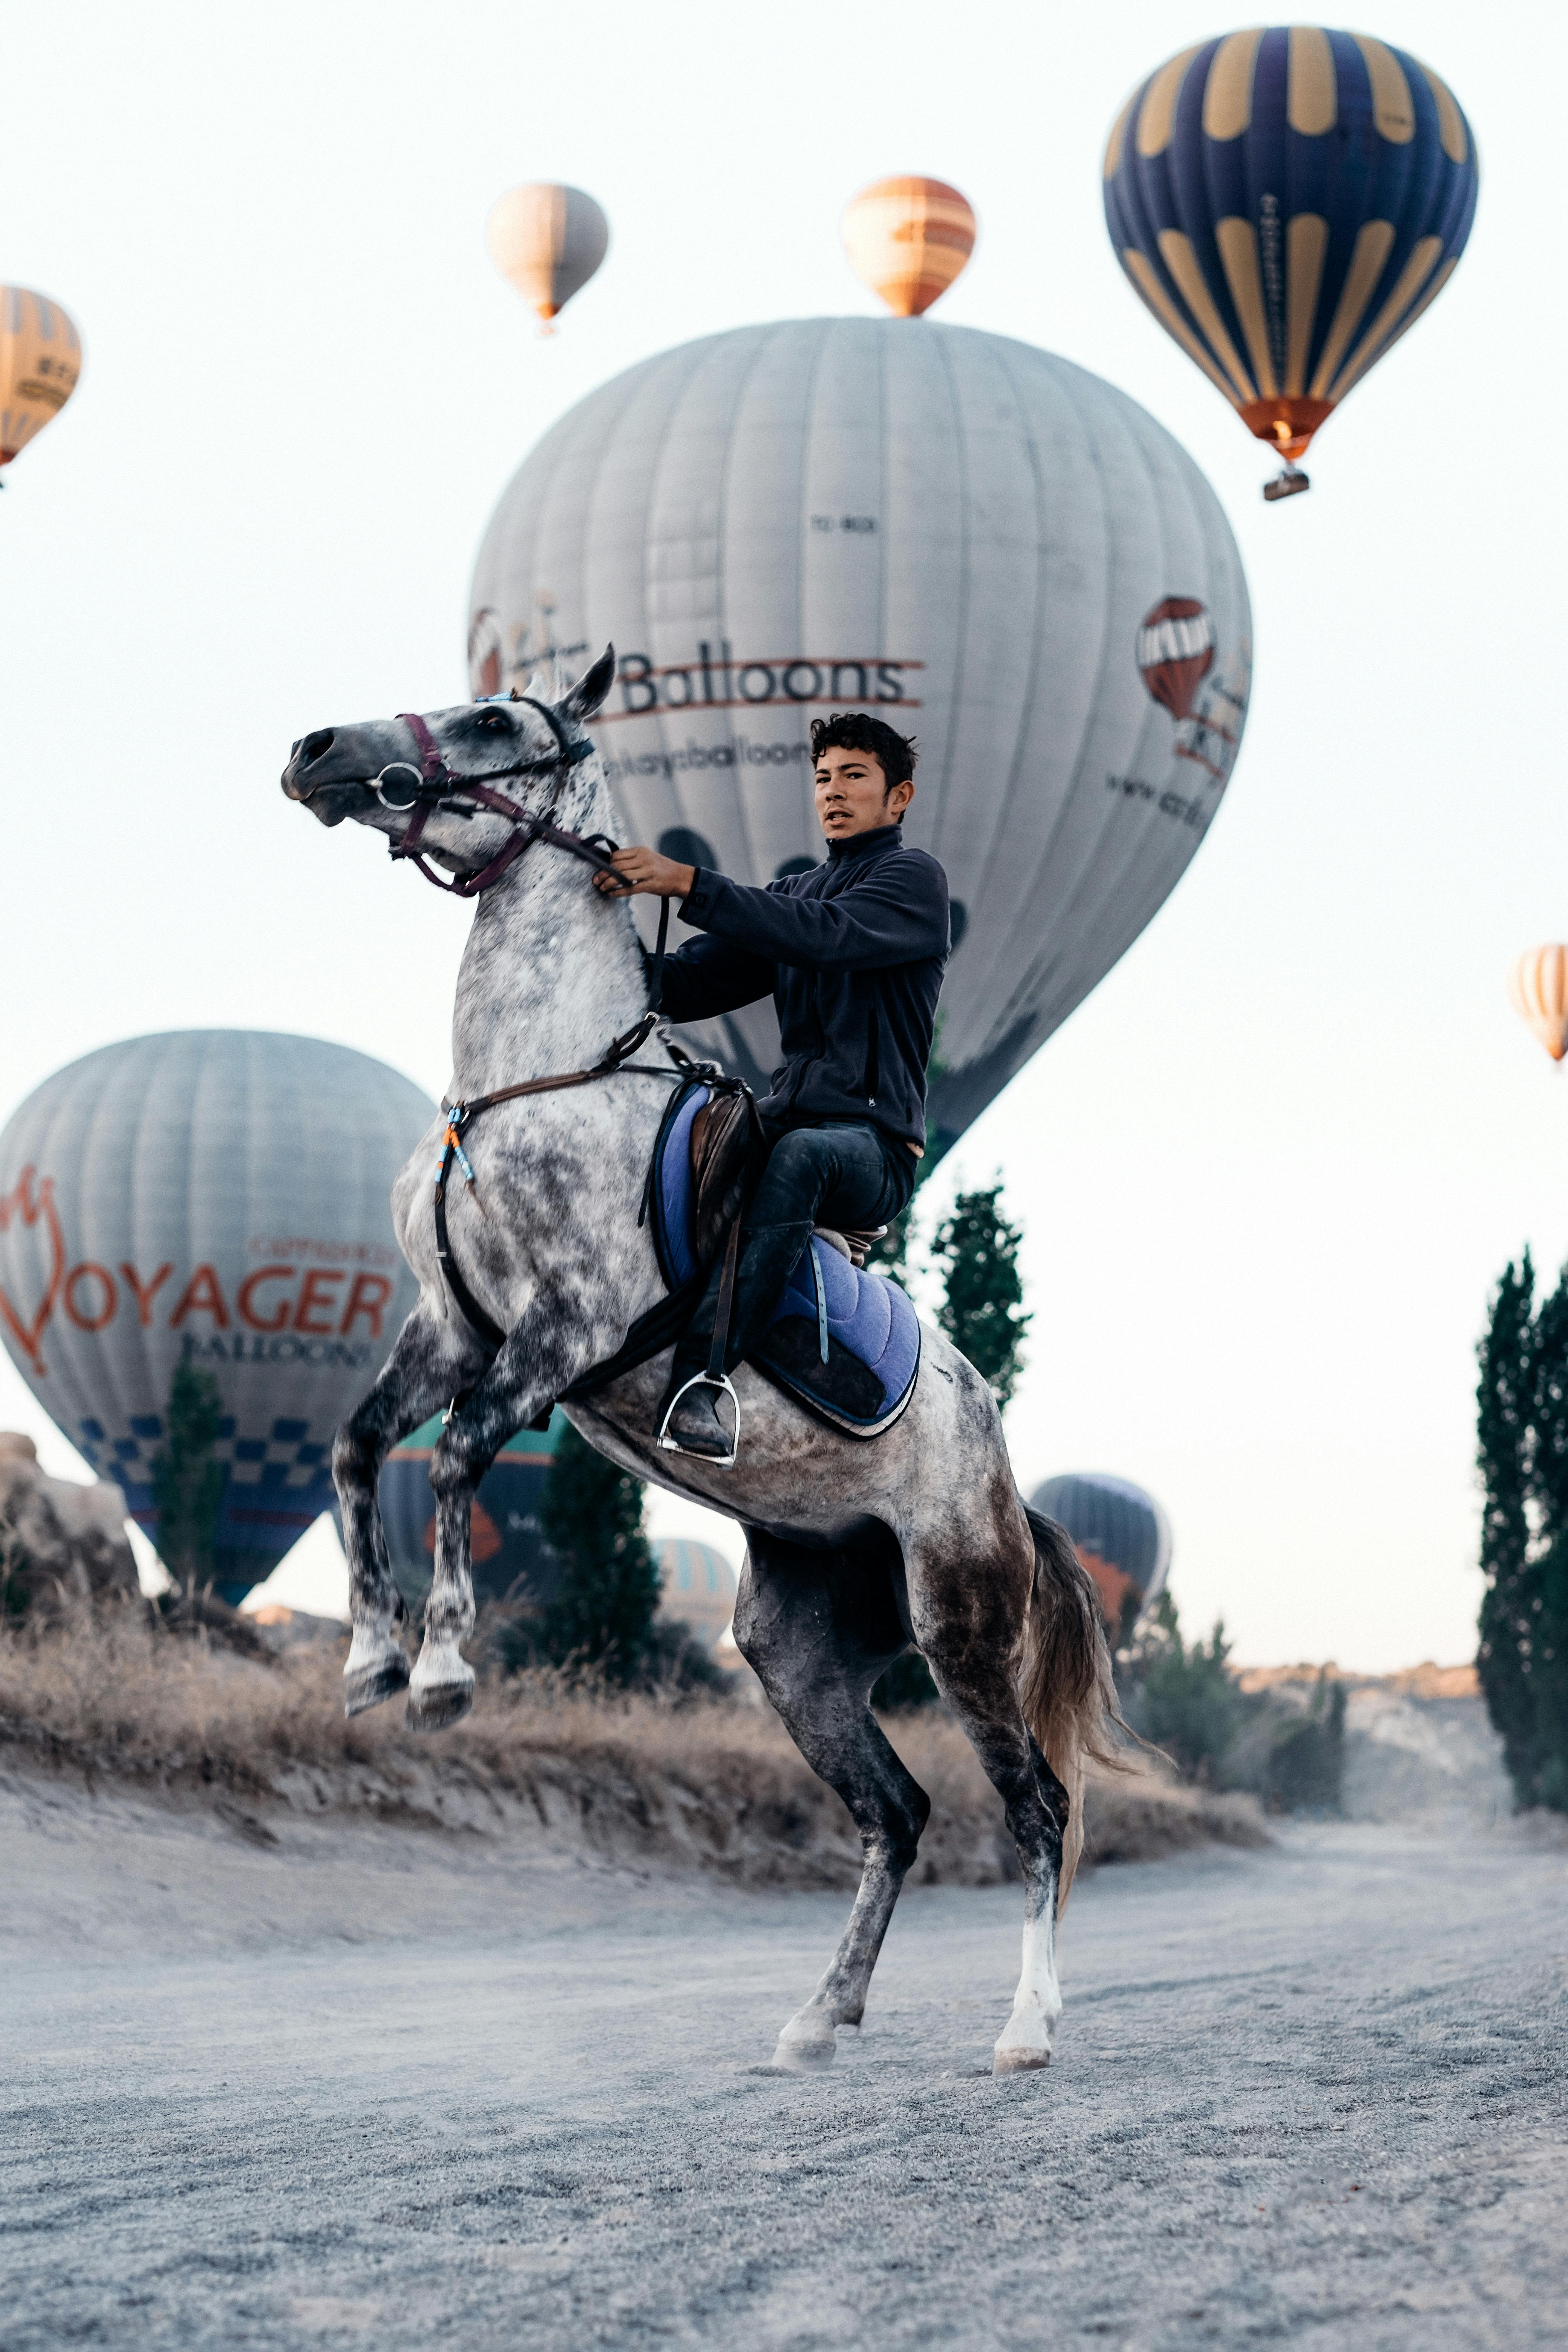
x=442 y=1689
x=439 y=1704
x=806 y=2044
x=379 y=1672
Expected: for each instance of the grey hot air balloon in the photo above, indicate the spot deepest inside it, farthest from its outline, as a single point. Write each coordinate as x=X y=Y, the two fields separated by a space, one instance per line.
x=221 y=1198
x=971 y=538
x=1119 y=1533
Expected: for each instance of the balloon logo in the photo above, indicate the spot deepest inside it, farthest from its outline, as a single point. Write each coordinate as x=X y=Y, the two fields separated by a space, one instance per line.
x=548 y=240
x=908 y=239
x=40 y=360
x=1287 y=203
x=1538 y=987
x=1175 y=652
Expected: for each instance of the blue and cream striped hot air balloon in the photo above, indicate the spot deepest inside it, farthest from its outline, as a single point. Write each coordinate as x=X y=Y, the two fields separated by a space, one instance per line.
x=219 y=1198
x=1122 y=1536
x=1287 y=202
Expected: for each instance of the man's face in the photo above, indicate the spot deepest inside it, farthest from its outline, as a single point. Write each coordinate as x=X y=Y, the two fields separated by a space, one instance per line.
x=851 y=796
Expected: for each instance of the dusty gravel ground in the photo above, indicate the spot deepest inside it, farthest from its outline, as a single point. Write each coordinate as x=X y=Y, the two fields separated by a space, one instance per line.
x=386 y=2087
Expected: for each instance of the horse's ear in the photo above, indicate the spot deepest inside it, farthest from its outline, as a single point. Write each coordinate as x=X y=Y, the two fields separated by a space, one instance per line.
x=591 y=689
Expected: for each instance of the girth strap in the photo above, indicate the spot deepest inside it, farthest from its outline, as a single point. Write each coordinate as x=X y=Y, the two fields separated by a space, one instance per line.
x=461 y=1116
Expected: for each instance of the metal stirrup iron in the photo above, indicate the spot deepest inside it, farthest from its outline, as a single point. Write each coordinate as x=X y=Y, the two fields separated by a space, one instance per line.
x=713 y=1376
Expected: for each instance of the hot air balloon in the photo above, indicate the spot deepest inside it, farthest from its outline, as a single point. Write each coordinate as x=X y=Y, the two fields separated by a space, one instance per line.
x=218 y=1198
x=1287 y=203
x=1121 y=1535
x=549 y=240
x=908 y=239
x=509 y=1556
x=1538 y=987
x=969 y=537
x=699 y=1588
x=40 y=360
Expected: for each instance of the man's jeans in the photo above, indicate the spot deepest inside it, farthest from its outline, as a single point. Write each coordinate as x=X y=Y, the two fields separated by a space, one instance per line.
x=839 y=1174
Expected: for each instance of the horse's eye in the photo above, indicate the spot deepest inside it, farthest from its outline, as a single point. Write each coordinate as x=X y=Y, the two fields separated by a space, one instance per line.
x=493 y=723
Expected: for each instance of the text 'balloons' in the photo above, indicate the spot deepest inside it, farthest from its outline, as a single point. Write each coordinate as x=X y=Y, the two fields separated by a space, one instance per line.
x=1287 y=201
x=548 y=239
x=908 y=239
x=1538 y=985
x=40 y=360
x=976 y=540
x=219 y=1198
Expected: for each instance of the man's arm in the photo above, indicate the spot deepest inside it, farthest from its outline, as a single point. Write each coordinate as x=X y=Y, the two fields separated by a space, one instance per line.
x=898 y=914
x=709 y=976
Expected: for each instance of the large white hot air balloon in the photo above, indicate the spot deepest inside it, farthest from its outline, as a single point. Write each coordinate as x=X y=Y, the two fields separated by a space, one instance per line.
x=221 y=1198
x=978 y=542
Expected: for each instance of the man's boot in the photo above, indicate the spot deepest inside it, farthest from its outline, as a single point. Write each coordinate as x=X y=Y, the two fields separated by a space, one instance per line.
x=689 y=1419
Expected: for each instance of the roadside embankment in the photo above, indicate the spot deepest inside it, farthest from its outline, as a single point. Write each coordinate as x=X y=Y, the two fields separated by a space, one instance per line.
x=111 y=1697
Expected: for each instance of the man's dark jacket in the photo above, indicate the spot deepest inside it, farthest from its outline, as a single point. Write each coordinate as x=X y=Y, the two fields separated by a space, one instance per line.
x=852 y=954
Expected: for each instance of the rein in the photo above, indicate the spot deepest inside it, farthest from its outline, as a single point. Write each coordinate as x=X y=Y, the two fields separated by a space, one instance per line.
x=435 y=785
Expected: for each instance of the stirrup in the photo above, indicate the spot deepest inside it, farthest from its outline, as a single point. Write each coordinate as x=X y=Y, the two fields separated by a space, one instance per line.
x=669 y=1444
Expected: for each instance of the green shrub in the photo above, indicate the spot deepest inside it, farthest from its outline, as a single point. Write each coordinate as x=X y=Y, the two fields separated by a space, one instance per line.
x=1181 y=1697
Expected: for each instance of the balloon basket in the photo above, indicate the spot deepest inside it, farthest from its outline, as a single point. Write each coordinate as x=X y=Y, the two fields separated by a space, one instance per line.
x=1286 y=484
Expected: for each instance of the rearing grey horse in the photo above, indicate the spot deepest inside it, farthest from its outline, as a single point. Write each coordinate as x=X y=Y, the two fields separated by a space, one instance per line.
x=854 y=1550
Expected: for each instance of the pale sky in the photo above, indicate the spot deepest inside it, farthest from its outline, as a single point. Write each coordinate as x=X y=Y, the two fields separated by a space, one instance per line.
x=1271 y=1170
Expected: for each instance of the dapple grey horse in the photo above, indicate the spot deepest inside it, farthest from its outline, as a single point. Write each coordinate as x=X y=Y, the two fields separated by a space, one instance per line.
x=854 y=1550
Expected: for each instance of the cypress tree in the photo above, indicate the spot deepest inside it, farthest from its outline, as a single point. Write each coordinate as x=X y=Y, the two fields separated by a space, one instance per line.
x=603 y=1608
x=1505 y=1399
x=1522 y=1444
x=187 y=1481
x=1544 y=1593
x=981 y=1311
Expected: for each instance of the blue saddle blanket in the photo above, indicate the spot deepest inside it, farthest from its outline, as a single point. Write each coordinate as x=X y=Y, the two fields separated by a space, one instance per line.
x=843 y=1342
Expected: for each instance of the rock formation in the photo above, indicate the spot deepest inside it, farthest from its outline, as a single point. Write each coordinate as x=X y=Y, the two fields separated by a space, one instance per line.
x=58 y=1540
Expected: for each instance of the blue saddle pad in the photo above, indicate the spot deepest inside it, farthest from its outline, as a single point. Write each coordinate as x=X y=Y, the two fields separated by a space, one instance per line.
x=843 y=1342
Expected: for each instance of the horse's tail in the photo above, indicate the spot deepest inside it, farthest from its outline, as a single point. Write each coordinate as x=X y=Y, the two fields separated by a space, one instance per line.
x=1065 y=1685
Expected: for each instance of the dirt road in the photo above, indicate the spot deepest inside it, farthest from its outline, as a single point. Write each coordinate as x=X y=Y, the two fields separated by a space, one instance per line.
x=372 y=2086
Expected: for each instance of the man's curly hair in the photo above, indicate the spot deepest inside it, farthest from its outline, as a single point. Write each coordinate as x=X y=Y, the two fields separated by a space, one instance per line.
x=857 y=730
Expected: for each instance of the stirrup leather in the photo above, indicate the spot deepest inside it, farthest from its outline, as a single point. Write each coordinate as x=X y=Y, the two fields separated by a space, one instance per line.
x=669 y=1444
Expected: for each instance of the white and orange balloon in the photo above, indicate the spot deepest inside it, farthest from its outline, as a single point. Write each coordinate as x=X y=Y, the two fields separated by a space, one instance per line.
x=1538 y=987
x=40 y=360
x=908 y=239
x=548 y=239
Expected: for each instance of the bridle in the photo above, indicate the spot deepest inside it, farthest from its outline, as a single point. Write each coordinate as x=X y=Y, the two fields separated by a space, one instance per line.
x=436 y=786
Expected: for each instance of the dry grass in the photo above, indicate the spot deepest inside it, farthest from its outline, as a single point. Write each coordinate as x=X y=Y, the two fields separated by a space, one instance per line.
x=113 y=1695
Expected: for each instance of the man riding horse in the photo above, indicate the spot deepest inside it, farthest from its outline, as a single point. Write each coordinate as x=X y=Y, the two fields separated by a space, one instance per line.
x=852 y=953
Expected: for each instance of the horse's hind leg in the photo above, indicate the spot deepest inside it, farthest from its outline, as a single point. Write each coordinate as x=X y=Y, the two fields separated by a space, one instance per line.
x=968 y=1601
x=819 y=1627
x=425 y=1368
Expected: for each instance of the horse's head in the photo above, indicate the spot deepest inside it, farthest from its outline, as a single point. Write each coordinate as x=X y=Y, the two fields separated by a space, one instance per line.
x=385 y=771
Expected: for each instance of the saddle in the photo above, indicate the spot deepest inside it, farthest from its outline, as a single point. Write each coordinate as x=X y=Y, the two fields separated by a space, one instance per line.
x=844 y=1343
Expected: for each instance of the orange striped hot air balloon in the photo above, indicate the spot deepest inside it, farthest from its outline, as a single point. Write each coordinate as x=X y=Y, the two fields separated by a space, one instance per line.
x=1538 y=987
x=548 y=239
x=40 y=360
x=908 y=239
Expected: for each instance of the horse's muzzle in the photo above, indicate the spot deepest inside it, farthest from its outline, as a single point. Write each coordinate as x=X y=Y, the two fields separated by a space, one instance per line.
x=309 y=778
